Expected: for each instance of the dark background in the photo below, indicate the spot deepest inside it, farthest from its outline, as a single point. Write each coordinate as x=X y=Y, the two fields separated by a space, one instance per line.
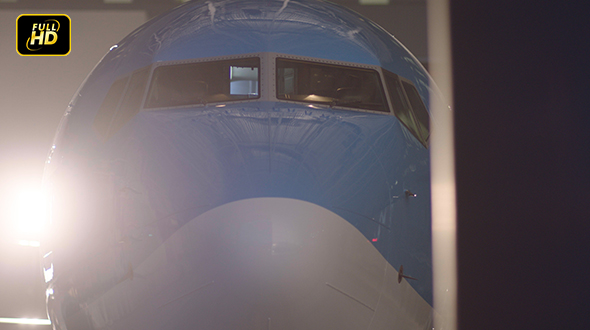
x=522 y=129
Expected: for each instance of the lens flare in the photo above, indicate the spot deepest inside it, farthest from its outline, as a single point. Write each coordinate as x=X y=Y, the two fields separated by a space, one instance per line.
x=29 y=212
x=24 y=321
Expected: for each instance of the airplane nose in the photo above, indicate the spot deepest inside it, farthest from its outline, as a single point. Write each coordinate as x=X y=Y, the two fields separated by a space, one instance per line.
x=240 y=204
x=263 y=263
x=243 y=236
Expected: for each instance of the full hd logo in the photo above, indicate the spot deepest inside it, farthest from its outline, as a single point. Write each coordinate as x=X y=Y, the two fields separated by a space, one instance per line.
x=43 y=35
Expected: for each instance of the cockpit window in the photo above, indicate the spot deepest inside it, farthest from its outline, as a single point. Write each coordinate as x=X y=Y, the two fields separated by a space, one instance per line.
x=131 y=102
x=408 y=106
x=334 y=85
x=108 y=109
x=204 y=82
x=121 y=103
x=420 y=114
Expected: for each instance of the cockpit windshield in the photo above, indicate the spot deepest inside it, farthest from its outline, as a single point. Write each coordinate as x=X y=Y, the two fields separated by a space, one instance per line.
x=204 y=82
x=335 y=85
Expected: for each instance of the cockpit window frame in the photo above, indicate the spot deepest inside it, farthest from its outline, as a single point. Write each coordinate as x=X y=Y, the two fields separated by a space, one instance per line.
x=406 y=111
x=271 y=63
x=123 y=100
x=267 y=92
x=157 y=65
x=366 y=71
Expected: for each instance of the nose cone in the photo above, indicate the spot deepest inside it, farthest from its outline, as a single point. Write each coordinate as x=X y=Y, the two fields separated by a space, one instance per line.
x=266 y=263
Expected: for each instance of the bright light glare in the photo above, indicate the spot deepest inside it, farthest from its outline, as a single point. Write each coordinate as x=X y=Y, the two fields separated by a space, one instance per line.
x=48 y=273
x=29 y=212
x=29 y=243
x=24 y=321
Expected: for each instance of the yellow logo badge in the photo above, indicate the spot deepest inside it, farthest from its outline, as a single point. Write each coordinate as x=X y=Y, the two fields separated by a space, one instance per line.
x=43 y=35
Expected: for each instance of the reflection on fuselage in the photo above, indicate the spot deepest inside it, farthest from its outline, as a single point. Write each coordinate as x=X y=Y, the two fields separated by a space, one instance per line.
x=212 y=172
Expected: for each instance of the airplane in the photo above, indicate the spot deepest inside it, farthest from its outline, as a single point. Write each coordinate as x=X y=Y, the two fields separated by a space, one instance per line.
x=244 y=164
